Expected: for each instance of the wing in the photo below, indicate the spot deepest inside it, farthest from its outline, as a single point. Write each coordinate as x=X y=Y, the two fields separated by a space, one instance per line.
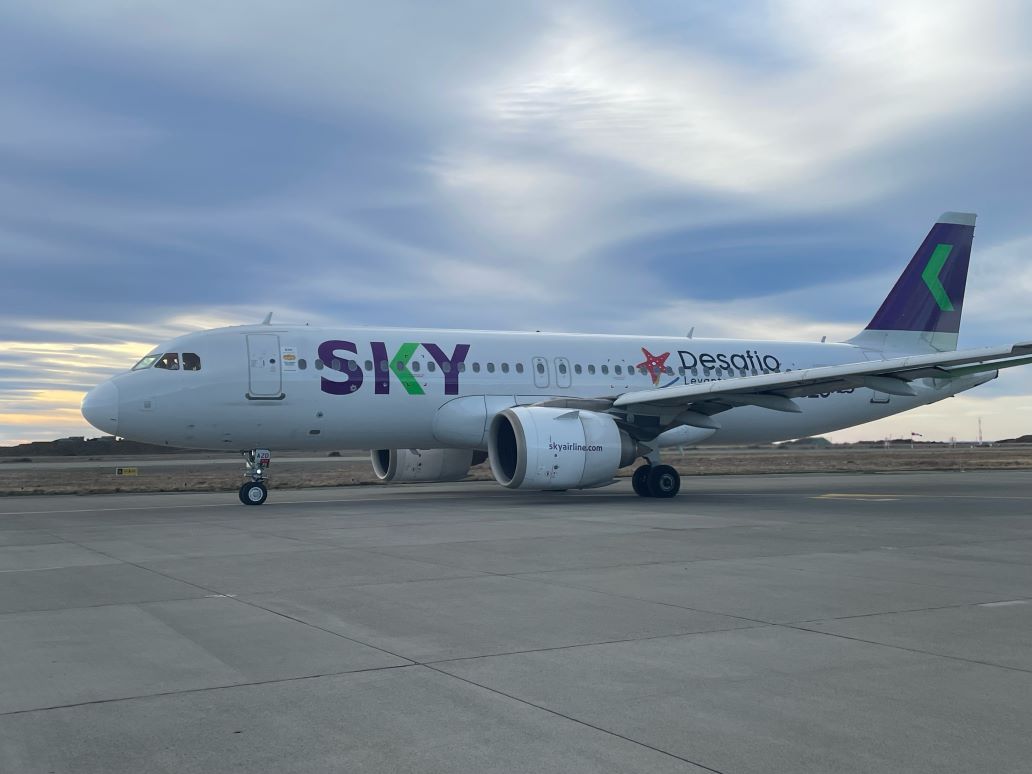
x=694 y=404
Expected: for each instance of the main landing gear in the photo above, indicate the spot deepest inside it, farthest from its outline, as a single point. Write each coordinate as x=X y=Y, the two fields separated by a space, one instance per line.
x=254 y=492
x=656 y=481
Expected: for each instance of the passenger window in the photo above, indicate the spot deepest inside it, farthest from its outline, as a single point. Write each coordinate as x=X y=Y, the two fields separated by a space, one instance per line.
x=415 y=366
x=302 y=364
x=169 y=361
x=668 y=370
x=540 y=368
x=519 y=368
x=318 y=364
x=369 y=365
x=462 y=367
x=383 y=365
x=605 y=369
x=577 y=368
x=562 y=368
x=680 y=370
x=505 y=368
x=490 y=368
x=476 y=368
x=618 y=370
x=335 y=364
x=191 y=362
x=431 y=367
x=591 y=370
x=446 y=368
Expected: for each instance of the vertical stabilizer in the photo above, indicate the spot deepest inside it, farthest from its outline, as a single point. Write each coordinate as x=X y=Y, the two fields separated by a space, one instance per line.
x=922 y=312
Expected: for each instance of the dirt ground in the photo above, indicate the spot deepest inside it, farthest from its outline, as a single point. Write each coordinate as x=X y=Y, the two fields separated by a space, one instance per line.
x=38 y=479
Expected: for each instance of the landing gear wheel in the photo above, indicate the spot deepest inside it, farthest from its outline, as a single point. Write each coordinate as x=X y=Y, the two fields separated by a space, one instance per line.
x=640 y=481
x=664 y=481
x=253 y=493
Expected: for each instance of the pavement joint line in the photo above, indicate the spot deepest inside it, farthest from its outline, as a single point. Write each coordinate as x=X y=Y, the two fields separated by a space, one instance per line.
x=159 y=694
x=903 y=611
x=866 y=577
x=397 y=667
x=932 y=609
x=516 y=575
x=105 y=604
x=798 y=625
x=467 y=575
x=904 y=648
x=405 y=525
x=574 y=646
x=256 y=606
x=760 y=623
x=315 y=548
x=572 y=719
x=309 y=624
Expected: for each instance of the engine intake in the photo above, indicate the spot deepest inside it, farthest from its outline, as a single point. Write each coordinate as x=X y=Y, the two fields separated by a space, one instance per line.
x=411 y=465
x=536 y=447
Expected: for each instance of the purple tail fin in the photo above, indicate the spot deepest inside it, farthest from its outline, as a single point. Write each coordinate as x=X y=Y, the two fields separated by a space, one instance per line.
x=929 y=295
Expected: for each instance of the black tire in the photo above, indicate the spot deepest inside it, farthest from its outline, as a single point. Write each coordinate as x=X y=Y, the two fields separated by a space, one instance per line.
x=664 y=481
x=640 y=481
x=253 y=493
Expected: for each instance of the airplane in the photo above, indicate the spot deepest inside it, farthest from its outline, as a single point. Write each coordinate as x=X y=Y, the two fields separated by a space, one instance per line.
x=549 y=411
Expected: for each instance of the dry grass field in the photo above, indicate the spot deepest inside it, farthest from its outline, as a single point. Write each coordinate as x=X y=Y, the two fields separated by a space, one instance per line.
x=48 y=476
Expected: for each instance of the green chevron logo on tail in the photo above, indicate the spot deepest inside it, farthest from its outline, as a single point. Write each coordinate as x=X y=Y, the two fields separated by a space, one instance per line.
x=930 y=275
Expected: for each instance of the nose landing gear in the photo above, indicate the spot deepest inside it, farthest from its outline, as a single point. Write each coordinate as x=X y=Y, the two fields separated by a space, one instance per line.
x=256 y=461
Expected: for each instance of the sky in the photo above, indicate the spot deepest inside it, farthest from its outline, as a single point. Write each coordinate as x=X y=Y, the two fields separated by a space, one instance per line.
x=747 y=169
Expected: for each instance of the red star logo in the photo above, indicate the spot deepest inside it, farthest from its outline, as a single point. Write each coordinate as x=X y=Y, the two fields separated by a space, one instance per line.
x=654 y=364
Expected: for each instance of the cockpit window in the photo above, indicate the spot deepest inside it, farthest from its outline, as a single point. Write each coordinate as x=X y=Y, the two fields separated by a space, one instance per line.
x=191 y=362
x=169 y=361
x=145 y=362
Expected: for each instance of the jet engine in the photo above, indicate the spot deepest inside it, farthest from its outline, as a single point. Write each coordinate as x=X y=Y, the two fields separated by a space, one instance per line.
x=410 y=465
x=537 y=447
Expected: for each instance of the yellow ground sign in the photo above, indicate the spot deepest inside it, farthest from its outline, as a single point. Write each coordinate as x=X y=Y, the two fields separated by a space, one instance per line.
x=126 y=471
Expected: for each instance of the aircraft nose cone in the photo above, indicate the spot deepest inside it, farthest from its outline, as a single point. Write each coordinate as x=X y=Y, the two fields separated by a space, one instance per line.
x=100 y=407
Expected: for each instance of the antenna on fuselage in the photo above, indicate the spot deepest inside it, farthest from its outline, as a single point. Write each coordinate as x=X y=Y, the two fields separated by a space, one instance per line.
x=691 y=332
x=268 y=319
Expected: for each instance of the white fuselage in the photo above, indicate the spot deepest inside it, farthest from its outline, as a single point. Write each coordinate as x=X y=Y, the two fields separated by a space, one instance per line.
x=300 y=387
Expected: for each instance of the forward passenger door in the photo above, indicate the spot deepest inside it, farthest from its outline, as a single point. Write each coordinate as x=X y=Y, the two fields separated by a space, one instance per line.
x=264 y=371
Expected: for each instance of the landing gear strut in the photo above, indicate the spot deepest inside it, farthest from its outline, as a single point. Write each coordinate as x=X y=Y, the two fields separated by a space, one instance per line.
x=660 y=481
x=254 y=492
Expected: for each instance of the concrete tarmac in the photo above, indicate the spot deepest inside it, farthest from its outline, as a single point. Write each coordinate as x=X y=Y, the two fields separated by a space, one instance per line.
x=800 y=623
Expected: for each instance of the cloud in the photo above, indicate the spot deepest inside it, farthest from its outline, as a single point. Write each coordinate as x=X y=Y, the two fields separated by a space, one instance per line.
x=852 y=78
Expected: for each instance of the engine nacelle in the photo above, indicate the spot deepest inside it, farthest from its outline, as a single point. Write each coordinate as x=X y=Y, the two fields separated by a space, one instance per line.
x=535 y=447
x=410 y=465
